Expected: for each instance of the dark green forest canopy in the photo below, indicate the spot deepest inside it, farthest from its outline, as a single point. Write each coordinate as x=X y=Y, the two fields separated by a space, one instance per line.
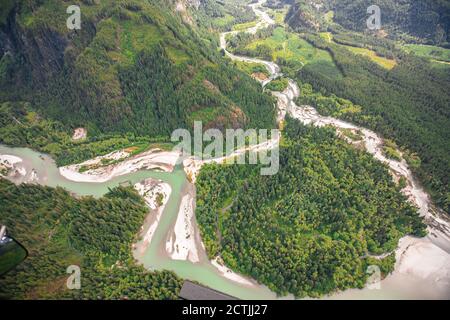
x=21 y=126
x=222 y=15
x=409 y=104
x=134 y=67
x=421 y=21
x=306 y=229
x=59 y=230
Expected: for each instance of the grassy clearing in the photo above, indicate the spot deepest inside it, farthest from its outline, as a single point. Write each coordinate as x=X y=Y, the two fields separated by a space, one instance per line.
x=372 y=55
x=51 y=14
x=329 y=16
x=134 y=38
x=224 y=21
x=295 y=50
x=278 y=85
x=431 y=52
x=206 y=115
x=280 y=14
x=440 y=64
x=327 y=36
x=290 y=46
x=245 y=26
x=352 y=134
x=390 y=150
x=177 y=56
x=440 y=57
x=251 y=68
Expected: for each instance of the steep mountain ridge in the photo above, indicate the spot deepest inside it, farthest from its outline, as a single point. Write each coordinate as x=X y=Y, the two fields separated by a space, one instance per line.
x=135 y=66
x=411 y=20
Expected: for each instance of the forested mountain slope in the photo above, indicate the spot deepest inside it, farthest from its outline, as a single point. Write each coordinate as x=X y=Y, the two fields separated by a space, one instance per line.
x=423 y=21
x=94 y=234
x=135 y=66
x=409 y=104
x=222 y=15
x=400 y=94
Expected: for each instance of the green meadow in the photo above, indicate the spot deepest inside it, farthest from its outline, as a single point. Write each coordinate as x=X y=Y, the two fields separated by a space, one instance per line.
x=440 y=57
x=290 y=46
x=372 y=55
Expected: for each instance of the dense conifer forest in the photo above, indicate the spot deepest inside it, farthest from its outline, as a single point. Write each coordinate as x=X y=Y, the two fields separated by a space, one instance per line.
x=59 y=230
x=310 y=229
x=139 y=69
x=421 y=21
x=400 y=91
x=134 y=67
x=409 y=104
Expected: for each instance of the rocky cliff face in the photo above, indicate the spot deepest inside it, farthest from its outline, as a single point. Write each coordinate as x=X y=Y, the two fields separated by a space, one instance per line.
x=183 y=7
x=193 y=3
x=133 y=67
x=41 y=51
x=35 y=54
x=306 y=14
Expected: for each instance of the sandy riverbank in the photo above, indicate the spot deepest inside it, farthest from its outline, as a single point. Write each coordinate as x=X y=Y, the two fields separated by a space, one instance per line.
x=230 y=274
x=183 y=241
x=11 y=166
x=421 y=259
x=154 y=159
x=193 y=165
x=9 y=160
x=156 y=194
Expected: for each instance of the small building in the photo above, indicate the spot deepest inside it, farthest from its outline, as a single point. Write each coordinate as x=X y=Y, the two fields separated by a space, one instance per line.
x=193 y=291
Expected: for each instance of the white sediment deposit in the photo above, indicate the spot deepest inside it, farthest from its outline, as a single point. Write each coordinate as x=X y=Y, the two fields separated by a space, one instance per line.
x=154 y=159
x=182 y=244
x=192 y=165
x=422 y=259
x=156 y=194
x=9 y=160
x=11 y=166
x=230 y=274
